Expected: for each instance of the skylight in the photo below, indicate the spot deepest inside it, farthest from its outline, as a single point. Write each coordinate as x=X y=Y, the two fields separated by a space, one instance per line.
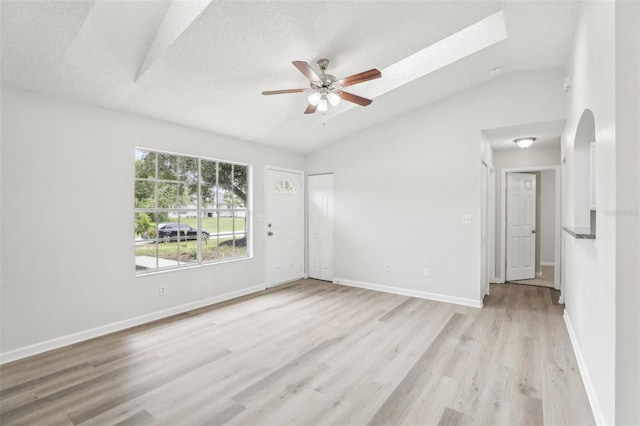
x=465 y=42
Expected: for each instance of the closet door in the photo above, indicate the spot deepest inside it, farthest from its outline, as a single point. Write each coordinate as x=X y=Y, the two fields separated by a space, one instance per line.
x=320 y=190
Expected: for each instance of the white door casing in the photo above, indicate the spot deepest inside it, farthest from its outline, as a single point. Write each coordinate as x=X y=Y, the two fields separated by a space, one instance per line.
x=320 y=208
x=484 y=229
x=284 y=226
x=521 y=231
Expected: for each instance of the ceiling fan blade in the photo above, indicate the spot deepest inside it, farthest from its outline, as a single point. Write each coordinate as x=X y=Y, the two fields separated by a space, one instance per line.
x=354 y=98
x=306 y=69
x=311 y=109
x=361 y=77
x=281 y=92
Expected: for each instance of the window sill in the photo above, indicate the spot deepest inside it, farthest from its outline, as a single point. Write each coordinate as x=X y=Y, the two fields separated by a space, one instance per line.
x=182 y=268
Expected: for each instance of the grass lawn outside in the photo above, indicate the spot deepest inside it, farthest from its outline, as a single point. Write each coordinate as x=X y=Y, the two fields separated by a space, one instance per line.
x=214 y=225
x=186 y=251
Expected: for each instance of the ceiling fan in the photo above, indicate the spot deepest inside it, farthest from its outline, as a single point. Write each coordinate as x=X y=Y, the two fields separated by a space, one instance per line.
x=326 y=89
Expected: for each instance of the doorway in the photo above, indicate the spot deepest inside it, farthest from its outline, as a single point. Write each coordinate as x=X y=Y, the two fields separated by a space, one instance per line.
x=320 y=210
x=521 y=230
x=555 y=183
x=285 y=224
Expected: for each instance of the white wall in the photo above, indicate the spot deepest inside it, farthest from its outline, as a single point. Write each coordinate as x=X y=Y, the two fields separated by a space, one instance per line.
x=602 y=293
x=486 y=154
x=628 y=212
x=67 y=219
x=401 y=186
x=547 y=230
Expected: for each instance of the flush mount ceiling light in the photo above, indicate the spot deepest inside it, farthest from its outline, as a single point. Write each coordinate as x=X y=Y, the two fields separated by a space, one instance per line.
x=524 y=142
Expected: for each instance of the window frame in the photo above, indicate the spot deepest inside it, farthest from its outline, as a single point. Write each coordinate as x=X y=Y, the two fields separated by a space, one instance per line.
x=201 y=212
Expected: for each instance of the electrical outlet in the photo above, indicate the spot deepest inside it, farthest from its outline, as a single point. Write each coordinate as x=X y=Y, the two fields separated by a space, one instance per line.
x=387 y=267
x=163 y=290
x=427 y=272
x=465 y=219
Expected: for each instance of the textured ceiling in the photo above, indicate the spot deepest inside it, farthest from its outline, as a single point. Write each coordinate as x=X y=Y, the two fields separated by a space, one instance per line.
x=204 y=64
x=547 y=134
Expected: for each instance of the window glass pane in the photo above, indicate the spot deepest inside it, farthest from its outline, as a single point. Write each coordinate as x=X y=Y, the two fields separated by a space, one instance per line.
x=240 y=233
x=187 y=197
x=145 y=164
x=285 y=187
x=209 y=194
x=188 y=170
x=226 y=246
x=168 y=195
x=210 y=223
x=240 y=194
x=145 y=242
x=239 y=175
x=168 y=253
x=225 y=171
x=227 y=200
x=210 y=245
x=145 y=194
x=240 y=248
x=208 y=172
x=167 y=166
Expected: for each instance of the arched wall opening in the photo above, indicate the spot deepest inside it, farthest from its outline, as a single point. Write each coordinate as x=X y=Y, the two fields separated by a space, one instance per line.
x=584 y=173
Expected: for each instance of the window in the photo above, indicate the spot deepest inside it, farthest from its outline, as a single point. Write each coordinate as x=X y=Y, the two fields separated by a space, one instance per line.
x=285 y=187
x=188 y=211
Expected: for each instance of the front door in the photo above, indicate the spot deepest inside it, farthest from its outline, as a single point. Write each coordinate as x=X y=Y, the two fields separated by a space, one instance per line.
x=521 y=222
x=284 y=226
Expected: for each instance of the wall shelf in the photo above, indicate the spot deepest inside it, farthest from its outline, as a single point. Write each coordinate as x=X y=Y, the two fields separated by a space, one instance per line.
x=580 y=233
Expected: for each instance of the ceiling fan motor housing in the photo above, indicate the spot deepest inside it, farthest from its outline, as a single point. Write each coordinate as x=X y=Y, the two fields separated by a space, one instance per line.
x=328 y=83
x=323 y=64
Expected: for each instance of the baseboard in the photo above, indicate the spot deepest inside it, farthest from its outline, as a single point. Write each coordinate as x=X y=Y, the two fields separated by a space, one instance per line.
x=496 y=280
x=285 y=282
x=584 y=372
x=411 y=293
x=91 y=333
x=548 y=264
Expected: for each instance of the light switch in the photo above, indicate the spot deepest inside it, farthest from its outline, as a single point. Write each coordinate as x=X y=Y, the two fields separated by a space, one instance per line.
x=465 y=219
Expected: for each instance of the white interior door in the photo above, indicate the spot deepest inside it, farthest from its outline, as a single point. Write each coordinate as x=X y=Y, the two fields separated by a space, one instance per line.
x=521 y=221
x=484 y=234
x=320 y=190
x=284 y=226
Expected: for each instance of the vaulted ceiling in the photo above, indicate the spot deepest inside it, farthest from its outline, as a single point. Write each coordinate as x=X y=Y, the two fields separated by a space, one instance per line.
x=204 y=64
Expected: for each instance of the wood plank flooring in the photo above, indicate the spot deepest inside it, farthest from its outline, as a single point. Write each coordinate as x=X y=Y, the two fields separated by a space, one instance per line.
x=546 y=280
x=315 y=353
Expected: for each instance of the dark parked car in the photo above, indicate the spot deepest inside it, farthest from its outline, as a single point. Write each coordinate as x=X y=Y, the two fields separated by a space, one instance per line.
x=174 y=231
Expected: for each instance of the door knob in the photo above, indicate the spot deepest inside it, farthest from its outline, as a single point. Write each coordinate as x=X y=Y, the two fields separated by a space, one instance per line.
x=270 y=233
x=533 y=231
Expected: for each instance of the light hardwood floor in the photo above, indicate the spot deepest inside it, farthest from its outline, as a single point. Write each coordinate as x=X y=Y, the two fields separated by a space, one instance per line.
x=546 y=280
x=315 y=353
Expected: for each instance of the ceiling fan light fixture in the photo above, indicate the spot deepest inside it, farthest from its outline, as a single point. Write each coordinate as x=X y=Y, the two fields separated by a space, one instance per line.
x=314 y=98
x=334 y=99
x=326 y=89
x=323 y=104
x=524 y=142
